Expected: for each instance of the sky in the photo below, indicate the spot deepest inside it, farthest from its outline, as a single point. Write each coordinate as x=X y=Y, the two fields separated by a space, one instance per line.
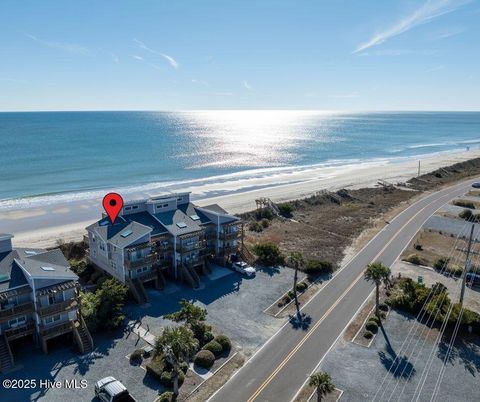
x=243 y=54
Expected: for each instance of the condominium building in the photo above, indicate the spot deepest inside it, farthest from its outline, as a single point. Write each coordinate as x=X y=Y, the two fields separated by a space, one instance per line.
x=164 y=236
x=38 y=299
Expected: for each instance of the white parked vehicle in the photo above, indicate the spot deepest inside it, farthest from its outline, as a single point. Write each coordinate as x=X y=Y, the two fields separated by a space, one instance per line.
x=476 y=184
x=109 y=389
x=244 y=268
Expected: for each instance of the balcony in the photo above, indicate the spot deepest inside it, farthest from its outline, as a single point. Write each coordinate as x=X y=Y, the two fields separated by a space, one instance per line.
x=20 y=309
x=211 y=235
x=23 y=330
x=148 y=276
x=55 y=330
x=141 y=262
x=230 y=235
x=185 y=248
x=58 y=308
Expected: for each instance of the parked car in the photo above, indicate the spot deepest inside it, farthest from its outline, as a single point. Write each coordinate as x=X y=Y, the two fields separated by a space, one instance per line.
x=244 y=268
x=476 y=184
x=109 y=389
x=473 y=279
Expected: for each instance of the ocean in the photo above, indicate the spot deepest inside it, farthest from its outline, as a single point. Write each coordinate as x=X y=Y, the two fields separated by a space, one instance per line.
x=61 y=155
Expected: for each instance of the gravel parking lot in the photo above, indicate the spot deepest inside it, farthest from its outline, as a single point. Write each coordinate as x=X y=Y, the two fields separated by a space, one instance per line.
x=359 y=371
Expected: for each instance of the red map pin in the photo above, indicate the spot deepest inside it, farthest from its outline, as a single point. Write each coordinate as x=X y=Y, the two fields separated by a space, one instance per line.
x=113 y=204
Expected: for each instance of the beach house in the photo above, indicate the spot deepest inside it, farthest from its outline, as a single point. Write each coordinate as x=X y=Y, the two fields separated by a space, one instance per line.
x=38 y=300
x=164 y=236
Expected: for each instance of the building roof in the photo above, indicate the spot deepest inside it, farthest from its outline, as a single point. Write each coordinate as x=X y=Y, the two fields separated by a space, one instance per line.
x=192 y=210
x=5 y=236
x=11 y=275
x=123 y=232
x=177 y=222
x=148 y=220
x=39 y=263
x=49 y=264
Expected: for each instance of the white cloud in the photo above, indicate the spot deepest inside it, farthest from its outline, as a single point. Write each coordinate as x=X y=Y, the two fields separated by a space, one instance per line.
x=429 y=11
x=66 y=47
x=247 y=86
x=167 y=57
x=138 y=57
x=115 y=58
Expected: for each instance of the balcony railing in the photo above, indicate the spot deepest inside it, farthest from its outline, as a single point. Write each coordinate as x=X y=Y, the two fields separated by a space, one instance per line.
x=147 y=260
x=20 y=309
x=230 y=235
x=148 y=276
x=22 y=330
x=185 y=248
x=57 y=308
x=55 y=330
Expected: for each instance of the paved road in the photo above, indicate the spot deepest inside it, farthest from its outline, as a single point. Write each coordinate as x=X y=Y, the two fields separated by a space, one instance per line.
x=278 y=370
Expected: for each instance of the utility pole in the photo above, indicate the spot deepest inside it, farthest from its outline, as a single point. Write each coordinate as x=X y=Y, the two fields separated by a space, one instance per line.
x=467 y=266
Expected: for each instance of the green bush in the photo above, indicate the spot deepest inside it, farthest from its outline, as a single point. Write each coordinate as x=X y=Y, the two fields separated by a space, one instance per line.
x=265 y=223
x=202 y=332
x=313 y=267
x=165 y=397
x=156 y=367
x=264 y=213
x=383 y=307
x=413 y=259
x=184 y=367
x=464 y=204
x=204 y=359
x=80 y=267
x=468 y=215
x=286 y=209
x=136 y=355
x=224 y=342
x=214 y=347
x=166 y=379
x=368 y=335
x=268 y=253
x=455 y=270
x=302 y=286
x=255 y=227
x=441 y=263
x=374 y=319
x=418 y=246
x=371 y=326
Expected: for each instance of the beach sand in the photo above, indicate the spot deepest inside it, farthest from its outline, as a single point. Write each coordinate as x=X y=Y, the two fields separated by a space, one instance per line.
x=42 y=226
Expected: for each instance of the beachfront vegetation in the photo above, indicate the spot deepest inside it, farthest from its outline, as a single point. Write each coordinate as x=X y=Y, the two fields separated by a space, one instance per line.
x=322 y=382
x=268 y=253
x=166 y=397
x=378 y=274
x=441 y=263
x=464 y=204
x=214 y=347
x=407 y=295
x=177 y=345
x=469 y=216
x=72 y=250
x=188 y=313
x=224 y=341
x=204 y=359
x=413 y=259
x=264 y=213
x=102 y=309
x=285 y=209
x=316 y=267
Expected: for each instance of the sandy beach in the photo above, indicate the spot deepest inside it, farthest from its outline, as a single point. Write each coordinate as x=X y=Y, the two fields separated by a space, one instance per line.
x=43 y=225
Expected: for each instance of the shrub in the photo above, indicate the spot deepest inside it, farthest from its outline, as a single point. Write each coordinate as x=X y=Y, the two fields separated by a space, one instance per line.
x=286 y=299
x=214 y=347
x=455 y=270
x=224 y=342
x=80 y=267
x=383 y=307
x=371 y=326
x=441 y=263
x=302 y=286
x=368 y=335
x=286 y=210
x=464 y=204
x=136 y=355
x=202 y=332
x=418 y=246
x=166 y=397
x=468 y=215
x=313 y=267
x=374 y=319
x=156 y=367
x=413 y=259
x=265 y=223
x=382 y=315
x=268 y=253
x=264 y=213
x=204 y=359
x=166 y=379
x=255 y=227
x=184 y=367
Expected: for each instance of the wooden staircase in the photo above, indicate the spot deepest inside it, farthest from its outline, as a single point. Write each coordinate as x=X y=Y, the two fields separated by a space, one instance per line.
x=6 y=358
x=189 y=275
x=82 y=335
x=137 y=290
x=247 y=256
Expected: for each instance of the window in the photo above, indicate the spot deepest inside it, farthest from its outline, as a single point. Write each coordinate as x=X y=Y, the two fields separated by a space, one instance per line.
x=181 y=225
x=165 y=205
x=48 y=268
x=195 y=217
x=53 y=318
x=17 y=321
x=135 y=207
x=102 y=246
x=126 y=233
x=128 y=208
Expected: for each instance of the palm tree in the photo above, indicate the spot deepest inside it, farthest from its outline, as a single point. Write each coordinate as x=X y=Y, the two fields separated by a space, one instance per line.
x=296 y=259
x=323 y=384
x=377 y=273
x=177 y=345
